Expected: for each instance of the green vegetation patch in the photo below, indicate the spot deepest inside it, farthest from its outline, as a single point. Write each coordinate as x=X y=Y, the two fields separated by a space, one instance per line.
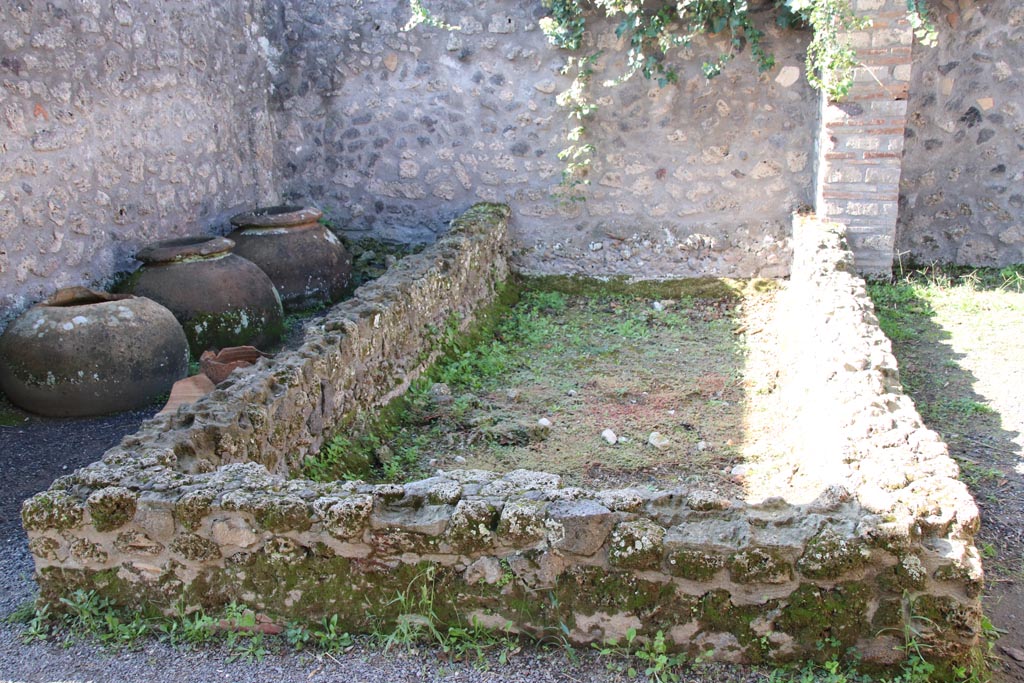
x=544 y=373
x=836 y=617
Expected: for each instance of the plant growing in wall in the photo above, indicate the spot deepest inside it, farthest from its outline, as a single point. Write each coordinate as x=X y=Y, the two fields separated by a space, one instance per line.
x=654 y=28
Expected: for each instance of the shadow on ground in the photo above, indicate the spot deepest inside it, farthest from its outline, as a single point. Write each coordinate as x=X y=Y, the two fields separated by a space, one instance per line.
x=36 y=450
x=982 y=439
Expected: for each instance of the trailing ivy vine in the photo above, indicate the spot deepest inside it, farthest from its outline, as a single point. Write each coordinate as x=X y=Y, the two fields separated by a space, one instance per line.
x=653 y=28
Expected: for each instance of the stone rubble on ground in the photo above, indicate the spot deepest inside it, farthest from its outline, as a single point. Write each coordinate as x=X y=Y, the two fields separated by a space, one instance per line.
x=659 y=441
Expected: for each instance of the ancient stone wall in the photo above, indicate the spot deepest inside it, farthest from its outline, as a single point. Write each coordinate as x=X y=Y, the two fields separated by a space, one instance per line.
x=120 y=123
x=199 y=506
x=961 y=198
x=127 y=122
x=394 y=132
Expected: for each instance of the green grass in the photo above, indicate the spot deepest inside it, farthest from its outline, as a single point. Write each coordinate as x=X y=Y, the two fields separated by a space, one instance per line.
x=921 y=311
x=542 y=337
x=900 y=307
x=647 y=656
x=540 y=333
x=385 y=447
x=9 y=415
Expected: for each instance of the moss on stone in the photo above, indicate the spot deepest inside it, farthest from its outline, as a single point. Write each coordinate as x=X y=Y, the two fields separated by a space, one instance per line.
x=191 y=508
x=716 y=613
x=829 y=616
x=280 y=515
x=759 y=565
x=588 y=590
x=44 y=547
x=953 y=571
x=637 y=544
x=522 y=522
x=472 y=525
x=888 y=615
x=87 y=552
x=52 y=509
x=132 y=542
x=949 y=631
x=962 y=572
x=230 y=328
x=136 y=596
x=195 y=548
x=345 y=518
x=322 y=551
x=388 y=493
x=111 y=508
x=828 y=556
x=392 y=542
x=365 y=595
x=910 y=574
x=445 y=493
x=57 y=582
x=694 y=564
x=945 y=613
x=481 y=217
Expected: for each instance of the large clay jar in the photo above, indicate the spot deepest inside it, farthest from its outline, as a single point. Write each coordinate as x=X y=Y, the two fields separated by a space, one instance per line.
x=89 y=353
x=306 y=262
x=221 y=299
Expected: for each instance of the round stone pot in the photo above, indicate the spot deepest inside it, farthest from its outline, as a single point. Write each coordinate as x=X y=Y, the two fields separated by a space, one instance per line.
x=306 y=262
x=221 y=299
x=89 y=353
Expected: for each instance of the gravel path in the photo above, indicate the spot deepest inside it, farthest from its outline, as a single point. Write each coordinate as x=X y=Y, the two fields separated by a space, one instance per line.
x=37 y=451
x=158 y=663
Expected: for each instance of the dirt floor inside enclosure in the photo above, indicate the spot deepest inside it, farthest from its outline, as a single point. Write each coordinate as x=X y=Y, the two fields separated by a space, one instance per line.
x=607 y=386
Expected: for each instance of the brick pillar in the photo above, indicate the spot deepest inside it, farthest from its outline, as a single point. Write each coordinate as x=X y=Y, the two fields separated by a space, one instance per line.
x=860 y=140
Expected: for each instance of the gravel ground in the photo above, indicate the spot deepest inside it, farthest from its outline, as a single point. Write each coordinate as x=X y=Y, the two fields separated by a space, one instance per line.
x=157 y=663
x=36 y=451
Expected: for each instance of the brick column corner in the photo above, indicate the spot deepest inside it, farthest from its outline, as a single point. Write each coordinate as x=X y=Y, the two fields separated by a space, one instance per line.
x=860 y=139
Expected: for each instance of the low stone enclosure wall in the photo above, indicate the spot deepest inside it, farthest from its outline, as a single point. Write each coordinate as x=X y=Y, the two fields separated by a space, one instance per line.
x=199 y=506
